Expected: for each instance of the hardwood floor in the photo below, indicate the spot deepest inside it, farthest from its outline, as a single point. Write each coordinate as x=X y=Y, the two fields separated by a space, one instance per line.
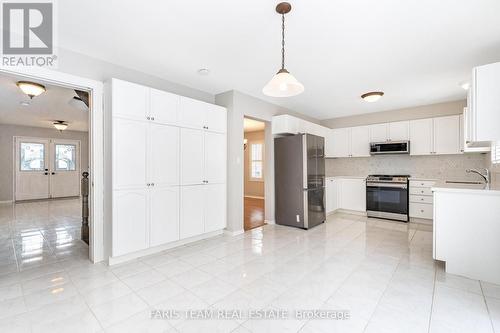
x=254 y=213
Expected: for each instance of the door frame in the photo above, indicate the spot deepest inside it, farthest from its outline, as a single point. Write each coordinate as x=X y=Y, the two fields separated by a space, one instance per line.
x=96 y=144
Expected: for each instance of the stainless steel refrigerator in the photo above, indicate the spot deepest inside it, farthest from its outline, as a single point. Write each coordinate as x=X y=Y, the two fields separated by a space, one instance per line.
x=299 y=174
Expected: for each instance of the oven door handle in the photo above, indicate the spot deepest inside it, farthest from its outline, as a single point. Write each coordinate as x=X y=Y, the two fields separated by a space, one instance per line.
x=374 y=185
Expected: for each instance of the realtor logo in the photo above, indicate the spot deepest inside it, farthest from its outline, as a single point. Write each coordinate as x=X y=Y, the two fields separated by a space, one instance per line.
x=28 y=33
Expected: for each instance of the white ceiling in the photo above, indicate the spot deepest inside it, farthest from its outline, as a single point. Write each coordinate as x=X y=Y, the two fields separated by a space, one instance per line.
x=416 y=51
x=43 y=110
x=250 y=125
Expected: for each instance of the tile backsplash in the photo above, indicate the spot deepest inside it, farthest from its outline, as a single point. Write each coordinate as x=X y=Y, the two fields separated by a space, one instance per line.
x=444 y=167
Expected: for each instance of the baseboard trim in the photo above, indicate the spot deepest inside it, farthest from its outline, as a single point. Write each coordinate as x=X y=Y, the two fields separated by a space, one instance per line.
x=421 y=221
x=234 y=233
x=254 y=197
x=6 y=202
x=347 y=211
x=127 y=257
x=270 y=221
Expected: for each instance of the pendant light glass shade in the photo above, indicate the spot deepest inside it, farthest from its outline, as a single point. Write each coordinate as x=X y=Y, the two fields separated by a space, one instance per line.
x=283 y=84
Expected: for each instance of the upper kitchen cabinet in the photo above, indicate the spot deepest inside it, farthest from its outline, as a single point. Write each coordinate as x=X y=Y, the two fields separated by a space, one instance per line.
x=200 y=115
x=483 y=123
x=447 y=135
x=379 y=133
x=287 y=124
x=421 y=137
x=348 y=142
x=360 y=141
x=396 y=131
x=337 y=143
x=399 y=131
x=129 y=100
x=164 y=107
x=435 y=136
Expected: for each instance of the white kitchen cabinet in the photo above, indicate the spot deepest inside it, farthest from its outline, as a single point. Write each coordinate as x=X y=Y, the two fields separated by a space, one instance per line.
x=129 y=153
x=379 y=133
x=332 y=195
x=447 y=135
x=192 y=156
x=216 y=118
x=163 y=160
x=359 y=141
x=485 y=104
x=164 y=107
x=337 y=143
x=155 y=149
x=421 y=137
x=399 y=131
x=164 y=214
x=192 y=211
x=352 y=194
x=130 y=221
x=214 y=207
x=287 y=124
x=214 y=158
x=129 y=100
x=200 y=115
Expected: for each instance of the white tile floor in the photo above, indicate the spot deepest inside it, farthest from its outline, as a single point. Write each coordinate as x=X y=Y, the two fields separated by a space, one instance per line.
x=382 y=272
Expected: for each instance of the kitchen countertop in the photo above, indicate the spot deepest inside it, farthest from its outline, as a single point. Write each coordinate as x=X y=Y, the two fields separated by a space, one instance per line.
x=346 y=177
x=443 y=186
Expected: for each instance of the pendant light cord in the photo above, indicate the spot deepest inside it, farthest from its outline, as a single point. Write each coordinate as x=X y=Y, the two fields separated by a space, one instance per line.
x=282 y=41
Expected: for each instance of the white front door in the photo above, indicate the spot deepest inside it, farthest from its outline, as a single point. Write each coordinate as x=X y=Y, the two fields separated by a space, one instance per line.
x=65 y=168
x=46 y=168
x=32 y=168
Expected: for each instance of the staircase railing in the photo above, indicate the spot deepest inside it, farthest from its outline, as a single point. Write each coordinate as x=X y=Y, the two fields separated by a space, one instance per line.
x=85 y=207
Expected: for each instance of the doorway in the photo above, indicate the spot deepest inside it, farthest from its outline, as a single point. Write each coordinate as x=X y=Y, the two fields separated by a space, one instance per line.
x=45 y=145
x=46 y=168
x=254 y=180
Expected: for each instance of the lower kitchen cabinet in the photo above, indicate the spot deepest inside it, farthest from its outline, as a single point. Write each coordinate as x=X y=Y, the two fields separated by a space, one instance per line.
x=215 y=207
x=192 y=210
x=130 y=221
x=332 y=195
x=164 y=215
x=353 y=194
x=203 y=209
x=345 y=193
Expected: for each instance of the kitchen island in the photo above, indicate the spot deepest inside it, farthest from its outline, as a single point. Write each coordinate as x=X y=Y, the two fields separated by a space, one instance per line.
x=467 y=230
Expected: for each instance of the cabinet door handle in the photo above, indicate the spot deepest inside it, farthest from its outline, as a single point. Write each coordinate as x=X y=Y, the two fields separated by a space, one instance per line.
x=148 y=184
x=152 y=184
x=148 y=117
x=152 y=118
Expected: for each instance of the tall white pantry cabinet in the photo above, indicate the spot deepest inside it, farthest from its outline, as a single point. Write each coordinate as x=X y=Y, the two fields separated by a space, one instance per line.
x=168 y=168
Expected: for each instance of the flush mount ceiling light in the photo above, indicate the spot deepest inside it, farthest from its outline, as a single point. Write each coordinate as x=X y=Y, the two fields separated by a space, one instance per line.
x=203 y=71
x=60 y=125
x=372 y=96
x=31 y=89
x=283 y=84
x=465 y=85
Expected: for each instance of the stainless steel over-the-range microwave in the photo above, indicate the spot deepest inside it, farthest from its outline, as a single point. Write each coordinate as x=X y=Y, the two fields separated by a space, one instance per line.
x=390 y=147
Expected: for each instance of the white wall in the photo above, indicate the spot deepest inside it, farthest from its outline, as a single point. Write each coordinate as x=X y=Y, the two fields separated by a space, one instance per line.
x=419 y=112
x=238 y=106
x=92 y=68
x=7 y=132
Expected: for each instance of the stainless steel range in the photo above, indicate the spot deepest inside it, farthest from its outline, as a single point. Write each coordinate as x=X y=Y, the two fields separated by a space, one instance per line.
x=387 y=197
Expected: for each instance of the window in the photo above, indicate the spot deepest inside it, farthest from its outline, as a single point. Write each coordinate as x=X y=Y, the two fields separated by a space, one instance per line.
x=65 y=157
x=256 y=162
x=495 y=153
x=32 y=156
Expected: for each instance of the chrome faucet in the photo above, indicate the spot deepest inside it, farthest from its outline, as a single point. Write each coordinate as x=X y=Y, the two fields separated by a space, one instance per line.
x=486 y=175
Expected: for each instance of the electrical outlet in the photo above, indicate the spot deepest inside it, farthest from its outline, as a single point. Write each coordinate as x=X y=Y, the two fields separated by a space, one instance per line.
x=298 y=218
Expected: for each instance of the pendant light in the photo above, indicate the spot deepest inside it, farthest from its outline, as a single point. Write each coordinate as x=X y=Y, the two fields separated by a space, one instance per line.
x=283 y=84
